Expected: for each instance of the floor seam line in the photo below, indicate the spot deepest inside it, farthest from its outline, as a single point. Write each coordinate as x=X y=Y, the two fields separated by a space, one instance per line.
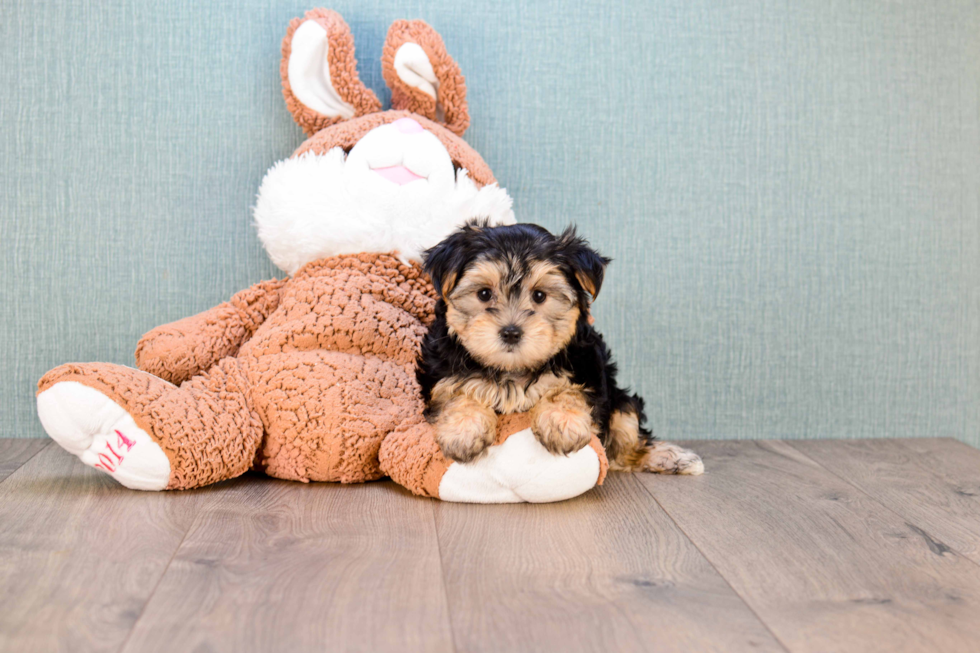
x=704 y=555
x=442 y=575
x=29 y=459
x=907 y=520
x=156 y=586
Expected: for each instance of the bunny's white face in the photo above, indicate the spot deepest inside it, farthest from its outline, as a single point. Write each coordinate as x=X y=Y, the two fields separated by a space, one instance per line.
x=396 y=191
x=390 y=188
x=392 y=158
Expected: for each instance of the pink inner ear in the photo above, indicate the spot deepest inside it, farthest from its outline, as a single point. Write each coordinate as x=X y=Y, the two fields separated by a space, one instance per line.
x=398 y=174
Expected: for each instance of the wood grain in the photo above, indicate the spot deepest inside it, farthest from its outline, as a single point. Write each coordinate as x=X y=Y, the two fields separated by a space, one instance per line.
x=932 y=482
x=768 y=544
x=284 y=566
x=823 y=565
x=80 y=554
x=607 y=571
x=14 y=452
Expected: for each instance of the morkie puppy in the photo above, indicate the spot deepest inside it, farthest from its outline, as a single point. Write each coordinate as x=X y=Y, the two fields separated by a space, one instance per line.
x=512 y=334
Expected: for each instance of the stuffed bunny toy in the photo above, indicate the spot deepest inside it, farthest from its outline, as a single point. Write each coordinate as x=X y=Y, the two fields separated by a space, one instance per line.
x=312 y=377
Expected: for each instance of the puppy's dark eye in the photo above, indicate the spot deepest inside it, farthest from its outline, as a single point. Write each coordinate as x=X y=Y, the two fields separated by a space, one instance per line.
x=484 y=294
x=538 y=296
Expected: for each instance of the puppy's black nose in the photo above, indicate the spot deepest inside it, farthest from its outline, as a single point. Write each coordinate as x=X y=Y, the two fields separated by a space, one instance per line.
x=511 y=334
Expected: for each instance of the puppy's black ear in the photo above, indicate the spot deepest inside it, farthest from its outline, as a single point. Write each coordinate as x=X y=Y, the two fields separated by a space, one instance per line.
x=441 y=261
x=588 y=265
x=445 y=261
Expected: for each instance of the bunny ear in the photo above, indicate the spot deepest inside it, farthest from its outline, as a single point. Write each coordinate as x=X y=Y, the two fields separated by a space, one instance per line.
x=319 y=72
x=423 y=78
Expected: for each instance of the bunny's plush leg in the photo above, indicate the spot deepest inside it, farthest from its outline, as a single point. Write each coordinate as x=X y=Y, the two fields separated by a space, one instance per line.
x=516 y=468
x=411 y=456
x=147 y=433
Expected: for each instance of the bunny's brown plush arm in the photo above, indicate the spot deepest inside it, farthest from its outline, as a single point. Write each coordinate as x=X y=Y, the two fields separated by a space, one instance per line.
x=182 y=349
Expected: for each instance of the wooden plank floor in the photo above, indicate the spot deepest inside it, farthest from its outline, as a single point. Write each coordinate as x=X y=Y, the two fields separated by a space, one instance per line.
x=793 y=546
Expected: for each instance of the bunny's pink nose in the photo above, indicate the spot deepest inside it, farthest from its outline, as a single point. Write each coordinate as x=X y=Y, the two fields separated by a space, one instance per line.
x=408 y=126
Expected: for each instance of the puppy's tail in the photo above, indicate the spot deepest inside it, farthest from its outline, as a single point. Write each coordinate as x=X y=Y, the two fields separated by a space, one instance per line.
x=631 y=447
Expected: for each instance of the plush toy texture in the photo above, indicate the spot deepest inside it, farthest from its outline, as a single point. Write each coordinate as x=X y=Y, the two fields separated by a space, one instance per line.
x=312 y=377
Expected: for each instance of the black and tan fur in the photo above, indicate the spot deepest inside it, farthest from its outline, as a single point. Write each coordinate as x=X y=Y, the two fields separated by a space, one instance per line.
x=513 y=334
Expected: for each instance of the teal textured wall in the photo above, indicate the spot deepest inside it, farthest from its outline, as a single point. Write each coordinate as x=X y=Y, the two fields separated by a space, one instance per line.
x=790 y=190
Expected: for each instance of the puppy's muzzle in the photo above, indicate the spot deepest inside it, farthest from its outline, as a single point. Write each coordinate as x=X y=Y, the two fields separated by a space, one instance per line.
x=511 y=334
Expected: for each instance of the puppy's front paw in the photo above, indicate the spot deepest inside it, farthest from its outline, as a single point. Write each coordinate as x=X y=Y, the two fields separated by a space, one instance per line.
x=464 y=430
x=464 y=440
x=563 y=423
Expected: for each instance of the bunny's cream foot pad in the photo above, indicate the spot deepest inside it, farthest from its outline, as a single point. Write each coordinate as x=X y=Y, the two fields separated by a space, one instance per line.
x=519 y=469
x=103 y=435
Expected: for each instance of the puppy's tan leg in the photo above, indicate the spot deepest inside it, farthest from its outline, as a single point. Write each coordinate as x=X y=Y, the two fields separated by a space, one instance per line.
x=628 y=452
x=562 y=422
x=465 y=428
